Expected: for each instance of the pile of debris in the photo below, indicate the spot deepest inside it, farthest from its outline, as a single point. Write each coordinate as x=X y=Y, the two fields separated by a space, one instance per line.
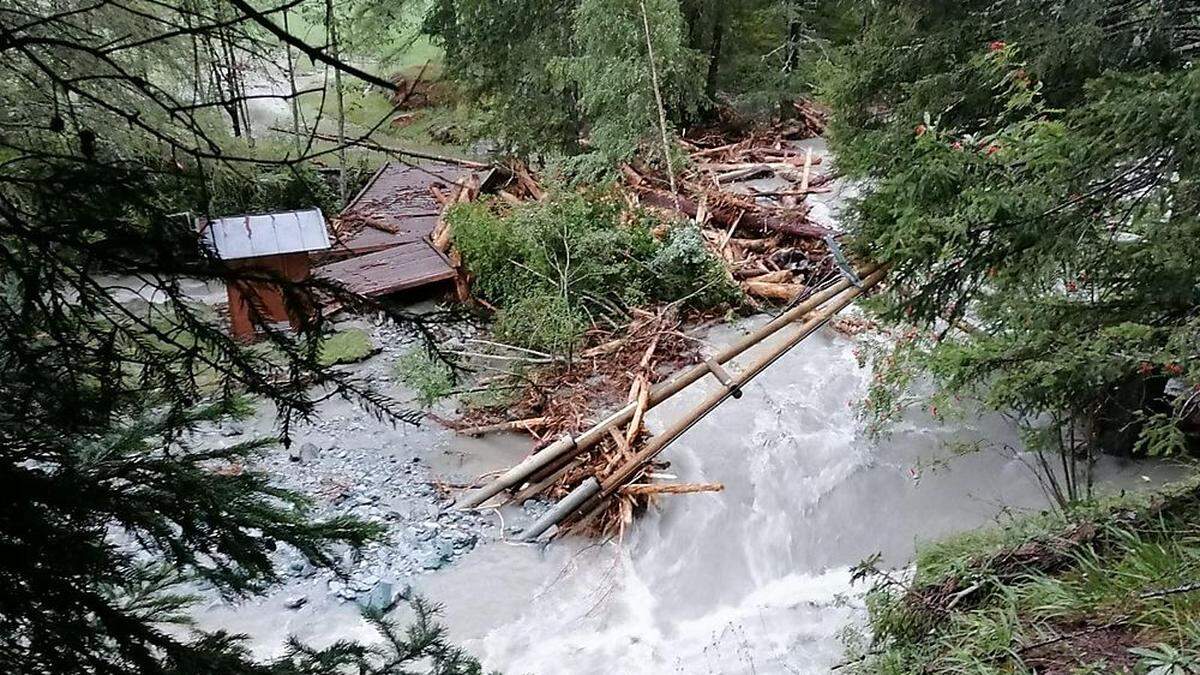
x=747 y=196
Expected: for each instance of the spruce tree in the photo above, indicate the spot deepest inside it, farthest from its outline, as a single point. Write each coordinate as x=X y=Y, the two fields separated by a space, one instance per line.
x=110 y=509
x=1031 y=173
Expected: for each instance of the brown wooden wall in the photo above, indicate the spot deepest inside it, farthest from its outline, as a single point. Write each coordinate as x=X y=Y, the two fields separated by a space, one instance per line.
x=268 y=298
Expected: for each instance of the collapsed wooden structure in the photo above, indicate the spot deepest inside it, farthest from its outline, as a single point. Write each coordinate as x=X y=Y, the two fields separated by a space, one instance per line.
x=386 y=240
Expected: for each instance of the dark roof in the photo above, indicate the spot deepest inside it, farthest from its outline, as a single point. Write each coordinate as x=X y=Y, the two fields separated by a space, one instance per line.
x=397 y=205
x=407 y=265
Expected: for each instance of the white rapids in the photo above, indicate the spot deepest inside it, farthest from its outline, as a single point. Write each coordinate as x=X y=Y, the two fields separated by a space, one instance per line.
x=755 y=579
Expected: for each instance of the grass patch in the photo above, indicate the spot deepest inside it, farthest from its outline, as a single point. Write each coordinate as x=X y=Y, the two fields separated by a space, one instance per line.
x=429 y=378
x=1108 y=590
x=349 y=346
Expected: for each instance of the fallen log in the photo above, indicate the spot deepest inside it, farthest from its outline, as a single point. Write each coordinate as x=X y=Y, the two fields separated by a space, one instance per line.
x=510 y=425
x=572 y=446
x=794 y=222
x=776 y=277
x=589 y=499
x=758 y=166
x=772 y=291
x=670 y=488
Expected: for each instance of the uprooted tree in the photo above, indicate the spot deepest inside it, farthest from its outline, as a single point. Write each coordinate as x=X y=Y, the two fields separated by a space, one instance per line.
x=110 y=129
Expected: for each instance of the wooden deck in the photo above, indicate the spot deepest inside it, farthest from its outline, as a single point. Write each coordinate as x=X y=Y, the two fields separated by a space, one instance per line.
x=383 y=246
x=401 y=267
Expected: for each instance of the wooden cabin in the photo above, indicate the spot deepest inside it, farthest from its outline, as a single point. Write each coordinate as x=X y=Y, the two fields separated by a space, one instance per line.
x=279 y=246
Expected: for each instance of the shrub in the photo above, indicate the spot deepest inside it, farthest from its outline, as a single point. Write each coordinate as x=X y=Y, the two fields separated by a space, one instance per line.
x=541 y=321
x=686 y=269
x=552 y=265
x=430 y=379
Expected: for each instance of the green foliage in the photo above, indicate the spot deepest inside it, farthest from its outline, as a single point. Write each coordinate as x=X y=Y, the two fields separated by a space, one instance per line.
x=1132 y=577
x=348 y=346
x=574 y=77
x=430 y=378
x=1039 y=178
x=610 y=72
x=553 y=267
x=1163 y=659
x=683 y=264
x=541 y=320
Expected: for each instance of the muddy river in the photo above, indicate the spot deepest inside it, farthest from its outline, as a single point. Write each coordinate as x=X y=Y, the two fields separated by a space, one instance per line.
x=754 y=579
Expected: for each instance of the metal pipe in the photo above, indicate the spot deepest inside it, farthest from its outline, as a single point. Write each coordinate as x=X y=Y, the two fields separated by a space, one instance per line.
x=565 y=507
x=656 y=445
x=662 y=440
x=521 y=471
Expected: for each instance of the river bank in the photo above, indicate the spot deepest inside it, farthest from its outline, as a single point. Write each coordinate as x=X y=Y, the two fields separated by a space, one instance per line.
x=752 y=579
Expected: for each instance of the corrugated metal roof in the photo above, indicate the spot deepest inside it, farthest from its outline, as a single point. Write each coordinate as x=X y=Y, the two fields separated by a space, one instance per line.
x=238 y=237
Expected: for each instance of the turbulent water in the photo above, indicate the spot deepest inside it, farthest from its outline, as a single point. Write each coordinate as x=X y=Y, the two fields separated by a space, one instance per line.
x=754 y=579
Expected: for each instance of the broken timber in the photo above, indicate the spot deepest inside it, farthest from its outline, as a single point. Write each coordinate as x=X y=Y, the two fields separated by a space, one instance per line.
x=556 y=457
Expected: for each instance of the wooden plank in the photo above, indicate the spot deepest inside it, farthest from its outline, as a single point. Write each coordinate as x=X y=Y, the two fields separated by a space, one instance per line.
x=408 y=265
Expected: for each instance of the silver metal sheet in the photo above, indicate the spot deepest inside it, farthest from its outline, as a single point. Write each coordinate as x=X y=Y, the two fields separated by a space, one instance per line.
x=239 y=237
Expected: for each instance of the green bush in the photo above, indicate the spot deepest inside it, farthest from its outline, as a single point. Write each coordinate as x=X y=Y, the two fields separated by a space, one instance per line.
x=430 y=379
x=550 y=266
x=541 y=321
x=686 y=269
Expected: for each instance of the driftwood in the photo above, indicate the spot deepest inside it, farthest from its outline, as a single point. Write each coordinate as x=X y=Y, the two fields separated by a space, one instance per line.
x=795 y=224
x=773 y=291
x=670 y=488
x=776 y=277
x=511 y=425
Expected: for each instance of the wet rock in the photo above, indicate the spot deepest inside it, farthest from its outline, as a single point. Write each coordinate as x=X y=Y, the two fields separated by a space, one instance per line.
x=380 y=598
x=308 y=452
x=461 y=539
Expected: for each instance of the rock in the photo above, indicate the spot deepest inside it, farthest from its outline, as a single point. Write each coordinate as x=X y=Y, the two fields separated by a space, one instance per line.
x=295 y=602
x=432 y=560
x=308 y=452
x=232 y=430
x=379 y=598
x=460 y=539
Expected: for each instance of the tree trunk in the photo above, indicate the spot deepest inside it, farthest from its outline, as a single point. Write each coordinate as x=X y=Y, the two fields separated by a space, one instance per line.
x=331 y=29
x=714 y=54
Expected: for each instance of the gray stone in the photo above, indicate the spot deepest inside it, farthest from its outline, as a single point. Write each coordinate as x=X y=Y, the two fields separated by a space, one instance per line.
x=379 y=598
x=295 y=602
x=460 y=539
x=308 y=452
x=432 y=560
